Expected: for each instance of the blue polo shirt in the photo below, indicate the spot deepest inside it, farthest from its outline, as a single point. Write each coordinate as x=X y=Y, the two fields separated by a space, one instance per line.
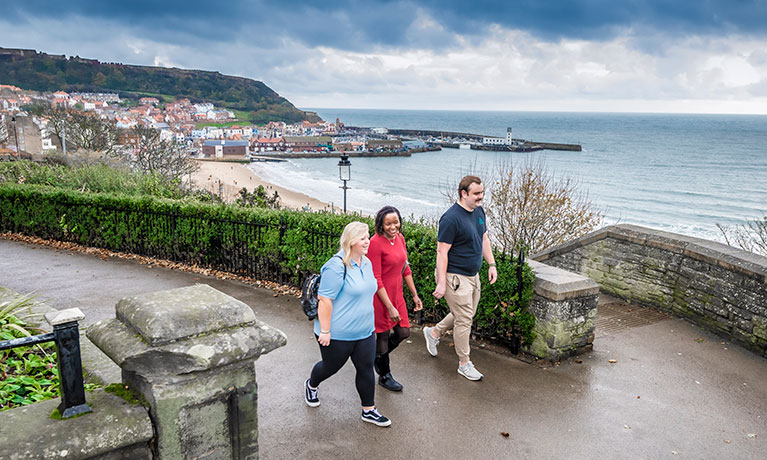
x=353 y=316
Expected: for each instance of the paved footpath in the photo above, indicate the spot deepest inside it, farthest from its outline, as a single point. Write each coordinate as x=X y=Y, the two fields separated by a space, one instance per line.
x=674 y=392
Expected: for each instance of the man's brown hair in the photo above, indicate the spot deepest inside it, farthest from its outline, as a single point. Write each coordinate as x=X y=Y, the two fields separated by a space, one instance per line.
x=466 y=183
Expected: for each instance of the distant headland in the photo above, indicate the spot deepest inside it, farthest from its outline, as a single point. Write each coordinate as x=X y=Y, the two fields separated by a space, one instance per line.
x=40 y=71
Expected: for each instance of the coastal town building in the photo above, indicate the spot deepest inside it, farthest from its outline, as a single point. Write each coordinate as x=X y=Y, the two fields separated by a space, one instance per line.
x=224 y=148
x=200 y=127
x=308 y=143
x=499 y=140
x=377 y=145
x=268 y=144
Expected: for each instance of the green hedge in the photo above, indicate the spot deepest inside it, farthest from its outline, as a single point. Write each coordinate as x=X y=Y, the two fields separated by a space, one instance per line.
x=272 y=244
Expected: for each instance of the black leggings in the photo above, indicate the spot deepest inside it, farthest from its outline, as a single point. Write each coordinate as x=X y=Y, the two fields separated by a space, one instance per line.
x=386 y=342
x=335 y=355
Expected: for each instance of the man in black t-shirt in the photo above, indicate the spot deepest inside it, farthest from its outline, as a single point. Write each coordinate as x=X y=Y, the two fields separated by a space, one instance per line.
x=462 y=243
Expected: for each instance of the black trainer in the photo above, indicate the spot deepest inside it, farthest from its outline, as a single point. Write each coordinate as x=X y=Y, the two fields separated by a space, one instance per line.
x=372 y=416
x=388 y=382
x=311 y=395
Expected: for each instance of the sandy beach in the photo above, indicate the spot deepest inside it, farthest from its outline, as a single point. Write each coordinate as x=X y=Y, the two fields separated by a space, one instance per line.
x=229 y=178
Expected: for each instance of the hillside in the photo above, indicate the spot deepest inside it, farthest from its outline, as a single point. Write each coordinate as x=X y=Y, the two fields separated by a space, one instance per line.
x=32 y=70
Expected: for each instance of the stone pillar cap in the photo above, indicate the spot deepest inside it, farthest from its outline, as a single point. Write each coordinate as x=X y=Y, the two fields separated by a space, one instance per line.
x=167 y=316
x=182 y=331
x=58 y=317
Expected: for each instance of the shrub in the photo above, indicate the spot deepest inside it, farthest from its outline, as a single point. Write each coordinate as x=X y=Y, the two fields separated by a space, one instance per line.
x=27 y=374
x=282 y=245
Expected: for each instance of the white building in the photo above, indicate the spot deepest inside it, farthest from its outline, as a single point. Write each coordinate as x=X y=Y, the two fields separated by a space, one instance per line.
x=498 y=140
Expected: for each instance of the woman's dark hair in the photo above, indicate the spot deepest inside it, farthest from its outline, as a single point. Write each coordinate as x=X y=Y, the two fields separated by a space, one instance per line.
x=381 y=215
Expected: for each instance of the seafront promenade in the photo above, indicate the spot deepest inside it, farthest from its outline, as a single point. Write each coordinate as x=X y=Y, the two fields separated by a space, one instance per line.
x=673 y=391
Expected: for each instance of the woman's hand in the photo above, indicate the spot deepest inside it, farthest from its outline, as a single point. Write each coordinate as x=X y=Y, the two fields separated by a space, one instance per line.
x=393 y=314
x=418 y=303
x=324 y=339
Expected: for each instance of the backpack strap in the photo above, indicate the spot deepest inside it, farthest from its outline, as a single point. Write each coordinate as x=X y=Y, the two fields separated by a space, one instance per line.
x=342 y=263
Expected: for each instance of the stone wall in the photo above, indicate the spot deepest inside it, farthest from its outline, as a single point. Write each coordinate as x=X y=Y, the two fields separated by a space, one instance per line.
x=719 y=287
x=565 y=310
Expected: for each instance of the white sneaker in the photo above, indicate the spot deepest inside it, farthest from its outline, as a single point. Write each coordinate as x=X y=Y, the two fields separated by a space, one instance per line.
x=469 y=371
x=431 y=342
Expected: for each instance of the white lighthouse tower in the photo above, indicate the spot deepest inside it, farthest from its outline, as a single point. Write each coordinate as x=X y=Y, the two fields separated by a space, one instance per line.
x=508 y=135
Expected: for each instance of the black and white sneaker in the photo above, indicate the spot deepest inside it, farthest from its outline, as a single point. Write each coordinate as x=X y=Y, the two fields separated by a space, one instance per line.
x=372 y=416
x=310 y=395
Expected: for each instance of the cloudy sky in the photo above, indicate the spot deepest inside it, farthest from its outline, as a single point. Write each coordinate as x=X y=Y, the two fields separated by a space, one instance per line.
x=557 y=55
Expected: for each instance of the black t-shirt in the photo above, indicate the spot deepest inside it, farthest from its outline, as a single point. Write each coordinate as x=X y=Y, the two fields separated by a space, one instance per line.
x=464 y=231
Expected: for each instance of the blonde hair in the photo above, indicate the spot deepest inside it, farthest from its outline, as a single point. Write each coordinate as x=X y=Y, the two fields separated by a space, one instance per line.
x=353 y=232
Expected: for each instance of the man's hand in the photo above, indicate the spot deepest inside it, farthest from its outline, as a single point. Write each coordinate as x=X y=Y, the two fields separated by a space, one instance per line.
x=324 y=339
x=492 y=275
x=440 y=291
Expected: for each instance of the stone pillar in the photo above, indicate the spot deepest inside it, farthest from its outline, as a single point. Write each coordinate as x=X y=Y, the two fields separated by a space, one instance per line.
x=565 y=310
x=190 y=352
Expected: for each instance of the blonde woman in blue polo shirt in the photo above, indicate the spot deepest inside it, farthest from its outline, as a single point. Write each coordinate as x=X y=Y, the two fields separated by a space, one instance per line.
x=345 y=321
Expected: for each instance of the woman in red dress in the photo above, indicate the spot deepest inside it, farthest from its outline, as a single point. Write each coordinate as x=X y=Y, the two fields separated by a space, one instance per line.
x=388 y=255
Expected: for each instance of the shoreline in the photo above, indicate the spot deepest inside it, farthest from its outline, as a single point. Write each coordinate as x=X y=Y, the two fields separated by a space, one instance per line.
x=228 y=178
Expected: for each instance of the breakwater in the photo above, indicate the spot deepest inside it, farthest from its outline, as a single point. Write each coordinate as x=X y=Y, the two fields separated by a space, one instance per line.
x=455 y=139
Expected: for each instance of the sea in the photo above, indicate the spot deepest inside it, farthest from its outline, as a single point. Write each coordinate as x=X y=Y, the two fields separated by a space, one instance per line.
x=683 y=173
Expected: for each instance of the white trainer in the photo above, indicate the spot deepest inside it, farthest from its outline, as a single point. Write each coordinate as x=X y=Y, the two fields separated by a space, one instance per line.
x=469 y=371
x=431 y=342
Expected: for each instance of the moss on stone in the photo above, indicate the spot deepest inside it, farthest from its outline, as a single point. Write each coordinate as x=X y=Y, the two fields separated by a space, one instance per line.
x=56 y=415
x=127 y=393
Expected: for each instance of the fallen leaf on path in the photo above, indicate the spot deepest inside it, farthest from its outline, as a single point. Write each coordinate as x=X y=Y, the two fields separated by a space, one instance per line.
x=505 y=434
x=612 y=361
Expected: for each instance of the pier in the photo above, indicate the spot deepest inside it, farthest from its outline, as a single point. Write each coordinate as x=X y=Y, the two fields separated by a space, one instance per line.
x=475 y=140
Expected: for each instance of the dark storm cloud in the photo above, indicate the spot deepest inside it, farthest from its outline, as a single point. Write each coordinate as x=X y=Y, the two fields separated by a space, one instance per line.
x=356 y=25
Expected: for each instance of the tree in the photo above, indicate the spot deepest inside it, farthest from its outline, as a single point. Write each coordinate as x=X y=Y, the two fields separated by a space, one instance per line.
x=528 y=207
x=259 y=198
x=154 y=154
x=85 y=131
x=81 y=130
x=751 y=236
x=55 y=114
x=531 y=208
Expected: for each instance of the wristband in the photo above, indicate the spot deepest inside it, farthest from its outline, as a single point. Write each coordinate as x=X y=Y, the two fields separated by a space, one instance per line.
x=493 y=264
x=324 y=332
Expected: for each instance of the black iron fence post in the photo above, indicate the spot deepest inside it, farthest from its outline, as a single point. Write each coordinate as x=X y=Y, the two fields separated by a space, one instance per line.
x=283 y=227
x=66 y=337
x=67 y=340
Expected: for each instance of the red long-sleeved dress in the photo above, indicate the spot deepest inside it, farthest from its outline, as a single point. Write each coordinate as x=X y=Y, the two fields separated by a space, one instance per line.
x=389 y=258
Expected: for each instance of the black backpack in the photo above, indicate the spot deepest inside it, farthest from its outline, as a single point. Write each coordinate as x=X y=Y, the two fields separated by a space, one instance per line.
x=309 y=300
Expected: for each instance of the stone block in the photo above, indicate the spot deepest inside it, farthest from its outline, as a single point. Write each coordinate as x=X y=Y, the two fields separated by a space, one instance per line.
x=190 y=353
x=114 y=430
x=166 y=316
x=760 y=327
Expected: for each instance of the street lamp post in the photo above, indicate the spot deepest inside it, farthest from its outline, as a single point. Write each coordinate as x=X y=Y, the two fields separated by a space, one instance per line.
x=16 y=137
x=345 y=174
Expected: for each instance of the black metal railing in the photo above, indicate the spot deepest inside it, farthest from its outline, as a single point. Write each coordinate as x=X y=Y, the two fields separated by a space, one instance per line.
x=247 y=248
x=66 y=337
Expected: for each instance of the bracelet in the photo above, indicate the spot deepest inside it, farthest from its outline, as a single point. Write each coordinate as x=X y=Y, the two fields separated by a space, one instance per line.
x=493 y=264
x=324 y=332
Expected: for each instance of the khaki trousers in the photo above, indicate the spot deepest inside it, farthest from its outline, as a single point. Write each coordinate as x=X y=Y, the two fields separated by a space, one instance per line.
x=462 y=296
